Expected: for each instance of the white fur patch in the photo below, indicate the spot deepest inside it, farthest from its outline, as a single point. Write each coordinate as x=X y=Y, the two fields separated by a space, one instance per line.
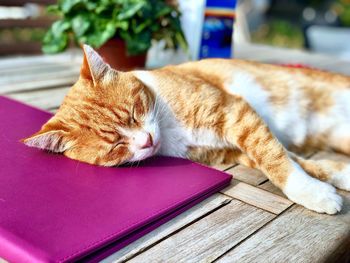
x=342 y=179
x=336 y=120
x=206 y=137
x=323 y=122
x=312 y=193
x=286 y=123
x=342 y=98
x=174 y=137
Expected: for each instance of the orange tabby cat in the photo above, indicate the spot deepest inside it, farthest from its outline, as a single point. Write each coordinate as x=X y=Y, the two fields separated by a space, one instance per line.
x=211 y=111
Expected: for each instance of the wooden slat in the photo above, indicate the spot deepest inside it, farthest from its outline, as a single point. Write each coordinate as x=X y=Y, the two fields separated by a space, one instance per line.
x=258 y=197
x=247 y=175
x=169 y=228
x=44 y=99
x=34 y=69
x=298 y=235
x=70 y=56
x=268 y=186
x=25 y=78
x=40 y=84
x=209 y=237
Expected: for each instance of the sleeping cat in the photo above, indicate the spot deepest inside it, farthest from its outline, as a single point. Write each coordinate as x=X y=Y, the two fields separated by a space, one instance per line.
x=211 y=111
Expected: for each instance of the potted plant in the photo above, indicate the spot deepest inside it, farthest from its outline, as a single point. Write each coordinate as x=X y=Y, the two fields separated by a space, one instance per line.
x=121 y=30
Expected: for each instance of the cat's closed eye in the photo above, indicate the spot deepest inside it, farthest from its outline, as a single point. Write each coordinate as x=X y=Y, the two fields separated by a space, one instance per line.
x=133 y=117
x=118 y=144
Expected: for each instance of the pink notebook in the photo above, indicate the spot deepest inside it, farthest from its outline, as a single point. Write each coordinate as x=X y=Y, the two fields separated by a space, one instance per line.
x=53 y=209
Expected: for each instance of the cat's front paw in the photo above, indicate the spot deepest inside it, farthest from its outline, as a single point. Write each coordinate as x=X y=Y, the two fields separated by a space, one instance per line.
x=324 y=200
x=312 y=193
x=341 y=179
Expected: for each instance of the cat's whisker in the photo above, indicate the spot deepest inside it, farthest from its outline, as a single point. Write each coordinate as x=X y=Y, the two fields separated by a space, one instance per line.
x=156 y=111
x=138 y=163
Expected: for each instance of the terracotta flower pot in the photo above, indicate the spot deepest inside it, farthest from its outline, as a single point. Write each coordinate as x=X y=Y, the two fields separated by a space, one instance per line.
x=114 y=53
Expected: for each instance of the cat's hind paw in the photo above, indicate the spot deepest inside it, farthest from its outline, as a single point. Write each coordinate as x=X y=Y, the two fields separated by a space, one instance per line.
x=341 y=179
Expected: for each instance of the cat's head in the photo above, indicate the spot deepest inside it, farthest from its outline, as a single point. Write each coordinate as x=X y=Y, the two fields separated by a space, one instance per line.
x=107 y=118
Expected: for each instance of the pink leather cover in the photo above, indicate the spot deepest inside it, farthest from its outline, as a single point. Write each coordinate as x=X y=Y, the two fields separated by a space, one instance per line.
x=53 y=209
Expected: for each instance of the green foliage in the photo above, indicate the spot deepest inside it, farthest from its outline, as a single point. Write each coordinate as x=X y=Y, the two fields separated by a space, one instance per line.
x=342 y=8
x=93 y=22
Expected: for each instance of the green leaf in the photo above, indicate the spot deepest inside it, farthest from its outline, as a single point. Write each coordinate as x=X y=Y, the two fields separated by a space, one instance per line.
x=164 y=11
x=54 y=43
x=130 y=10
x=104 y=33
x=180 y=38
x=53 y=9
x=138 y=44
x=80 y=24
x=91 y=5
x=103 y=6
x=138 y=28
x=59 y=27
x=108 y=33
x=123 y=25
x=68 y=5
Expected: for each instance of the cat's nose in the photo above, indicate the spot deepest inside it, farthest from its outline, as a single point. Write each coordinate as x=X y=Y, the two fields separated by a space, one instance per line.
x=149 y=142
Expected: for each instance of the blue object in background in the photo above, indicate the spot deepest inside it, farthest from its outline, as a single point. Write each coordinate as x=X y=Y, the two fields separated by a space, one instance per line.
x=217 y=31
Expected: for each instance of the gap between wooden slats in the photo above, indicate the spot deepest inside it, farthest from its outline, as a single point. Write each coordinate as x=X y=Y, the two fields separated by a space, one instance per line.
x=298 y=235
x=175 y=225
x=18 y=79
x=38 y=68
x=209 y=237
x=71 y=56
x=39 y=84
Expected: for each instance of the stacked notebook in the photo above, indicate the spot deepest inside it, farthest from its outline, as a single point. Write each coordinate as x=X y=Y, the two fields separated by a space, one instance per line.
x=53 y=209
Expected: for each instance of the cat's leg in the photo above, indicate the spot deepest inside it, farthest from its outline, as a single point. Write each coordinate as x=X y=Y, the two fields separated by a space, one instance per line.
x=333 y=172
x=213 y=156
x=246 y=130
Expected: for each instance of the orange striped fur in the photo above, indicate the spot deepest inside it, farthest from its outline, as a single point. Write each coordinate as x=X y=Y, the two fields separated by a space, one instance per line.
x=211 y=111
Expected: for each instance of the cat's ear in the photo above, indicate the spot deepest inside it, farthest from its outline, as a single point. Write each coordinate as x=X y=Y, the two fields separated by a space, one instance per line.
x=93 y=68
x=48 y=139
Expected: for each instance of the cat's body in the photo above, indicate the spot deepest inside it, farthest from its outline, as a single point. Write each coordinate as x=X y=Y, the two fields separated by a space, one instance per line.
x=211 y=111
x=303 y=109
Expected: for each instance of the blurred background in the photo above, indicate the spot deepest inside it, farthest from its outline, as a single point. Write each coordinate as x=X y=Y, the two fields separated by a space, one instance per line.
x=316 y=25
x=23 y=25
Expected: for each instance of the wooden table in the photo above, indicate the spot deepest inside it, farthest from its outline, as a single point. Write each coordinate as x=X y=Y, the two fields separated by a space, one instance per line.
x=249 y=221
